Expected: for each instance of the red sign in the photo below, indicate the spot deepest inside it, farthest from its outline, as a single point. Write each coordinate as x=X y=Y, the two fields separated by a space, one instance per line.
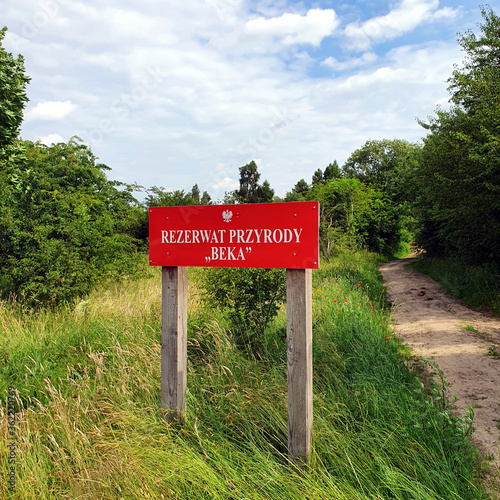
x=260 y=235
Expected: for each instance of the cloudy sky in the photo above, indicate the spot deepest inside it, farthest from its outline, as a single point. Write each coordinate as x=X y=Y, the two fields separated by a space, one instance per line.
x=173 y=93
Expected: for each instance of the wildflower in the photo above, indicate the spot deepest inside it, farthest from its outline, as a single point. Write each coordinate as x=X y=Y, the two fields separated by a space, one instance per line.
x=345 y=300
x=335 y=300
x=359 y=284
x=371 y=307
x=387 y=338
x=359 y=303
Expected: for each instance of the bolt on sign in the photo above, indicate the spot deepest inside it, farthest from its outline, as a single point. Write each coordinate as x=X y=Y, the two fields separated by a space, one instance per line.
x=279 y=235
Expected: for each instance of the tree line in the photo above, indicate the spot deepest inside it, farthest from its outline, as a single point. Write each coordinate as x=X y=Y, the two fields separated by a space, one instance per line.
x=65 y=227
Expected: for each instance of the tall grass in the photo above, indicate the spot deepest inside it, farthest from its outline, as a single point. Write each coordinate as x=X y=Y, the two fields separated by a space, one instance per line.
x=89 y=425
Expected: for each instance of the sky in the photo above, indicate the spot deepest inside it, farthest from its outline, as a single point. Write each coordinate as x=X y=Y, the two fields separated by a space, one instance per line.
x=182 y=92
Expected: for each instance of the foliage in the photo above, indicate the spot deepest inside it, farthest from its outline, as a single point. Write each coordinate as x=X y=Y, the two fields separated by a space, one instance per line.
x=387 y=165
x=251 y=297
x=160 y=197
x=366 y=204
x=301 y=187
x=354 y=215
x=89 y=423
x=317 y=177
x=459 y=173
x=332 y=171
x=13 y=98
x=474 y=87
x=250 y=190
x=65 y=227
x=299 y=191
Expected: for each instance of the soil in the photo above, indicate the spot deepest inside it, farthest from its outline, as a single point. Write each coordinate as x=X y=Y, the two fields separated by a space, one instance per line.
x=464 y=343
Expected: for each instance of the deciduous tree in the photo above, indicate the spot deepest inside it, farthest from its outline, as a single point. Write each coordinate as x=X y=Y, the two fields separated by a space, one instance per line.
x=459 y=175
x=385 y=164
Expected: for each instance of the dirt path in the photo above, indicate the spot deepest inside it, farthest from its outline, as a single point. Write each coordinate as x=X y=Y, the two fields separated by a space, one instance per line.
x=434 y=325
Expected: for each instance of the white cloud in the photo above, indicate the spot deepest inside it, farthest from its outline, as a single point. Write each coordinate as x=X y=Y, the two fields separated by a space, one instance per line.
x=226 y=184
x=50 y=110
x=296 y=29
x=405 y=17
x=51 y=139
x=357 y=62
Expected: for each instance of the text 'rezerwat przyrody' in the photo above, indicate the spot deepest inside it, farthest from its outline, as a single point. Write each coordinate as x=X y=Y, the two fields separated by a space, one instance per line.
x=231 y=236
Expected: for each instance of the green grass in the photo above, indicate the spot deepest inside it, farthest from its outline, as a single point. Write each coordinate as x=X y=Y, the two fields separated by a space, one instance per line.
x=478 y=287
x=89 y=425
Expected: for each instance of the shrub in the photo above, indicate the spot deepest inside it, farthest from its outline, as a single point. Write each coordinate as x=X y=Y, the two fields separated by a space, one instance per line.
x=251 y=298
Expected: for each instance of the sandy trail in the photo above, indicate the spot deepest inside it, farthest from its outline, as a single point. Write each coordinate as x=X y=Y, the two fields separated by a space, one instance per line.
x=433 y=324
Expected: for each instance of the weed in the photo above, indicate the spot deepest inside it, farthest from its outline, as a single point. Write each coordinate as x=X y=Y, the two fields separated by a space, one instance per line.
x=493 y=351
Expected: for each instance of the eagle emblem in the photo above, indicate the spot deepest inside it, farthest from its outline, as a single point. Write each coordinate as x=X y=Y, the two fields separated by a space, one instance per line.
x=227 y=215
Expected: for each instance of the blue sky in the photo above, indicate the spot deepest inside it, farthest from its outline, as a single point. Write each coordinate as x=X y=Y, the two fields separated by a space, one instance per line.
x=186 y=91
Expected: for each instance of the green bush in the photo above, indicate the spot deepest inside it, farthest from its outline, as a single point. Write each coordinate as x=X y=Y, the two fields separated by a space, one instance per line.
x=65 y=227
x=251 y=298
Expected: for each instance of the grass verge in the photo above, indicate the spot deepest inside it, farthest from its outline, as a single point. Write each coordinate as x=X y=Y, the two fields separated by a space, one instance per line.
x=478 y=287
x=88 y=423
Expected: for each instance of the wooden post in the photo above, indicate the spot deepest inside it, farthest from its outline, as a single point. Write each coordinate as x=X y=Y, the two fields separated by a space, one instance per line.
x=299 y=362
x=174 y=341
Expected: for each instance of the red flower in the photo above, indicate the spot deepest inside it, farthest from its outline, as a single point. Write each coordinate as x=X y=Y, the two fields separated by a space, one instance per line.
x=371 y=307
x=345 y=300
x=335 y=300
x=359 y=284
x=387 y=338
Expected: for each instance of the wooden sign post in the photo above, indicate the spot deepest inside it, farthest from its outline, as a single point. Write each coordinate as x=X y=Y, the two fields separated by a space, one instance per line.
x=299 y=362
x=174 y=341
x=275 y=235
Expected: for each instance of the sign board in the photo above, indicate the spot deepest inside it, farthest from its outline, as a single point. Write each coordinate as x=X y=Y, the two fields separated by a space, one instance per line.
x=279 y=235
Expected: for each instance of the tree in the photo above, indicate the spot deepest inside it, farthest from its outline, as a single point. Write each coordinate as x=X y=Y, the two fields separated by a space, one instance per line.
x=385 y=164
x=64 y=227
x=265 y=193
x=476 y=86
x=459 y=174
x=355 y=215
x=250 y=190
x=301 y=187
x=13 y=82
x=317 y=177
x=160 y=197
x=70 y=228
x=195 y=194
x=249 y=181
x=13 y=98
x=332 y=171
x=205 y=199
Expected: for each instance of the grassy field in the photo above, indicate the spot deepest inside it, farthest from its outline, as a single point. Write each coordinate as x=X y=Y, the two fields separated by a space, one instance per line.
x=88 y=425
